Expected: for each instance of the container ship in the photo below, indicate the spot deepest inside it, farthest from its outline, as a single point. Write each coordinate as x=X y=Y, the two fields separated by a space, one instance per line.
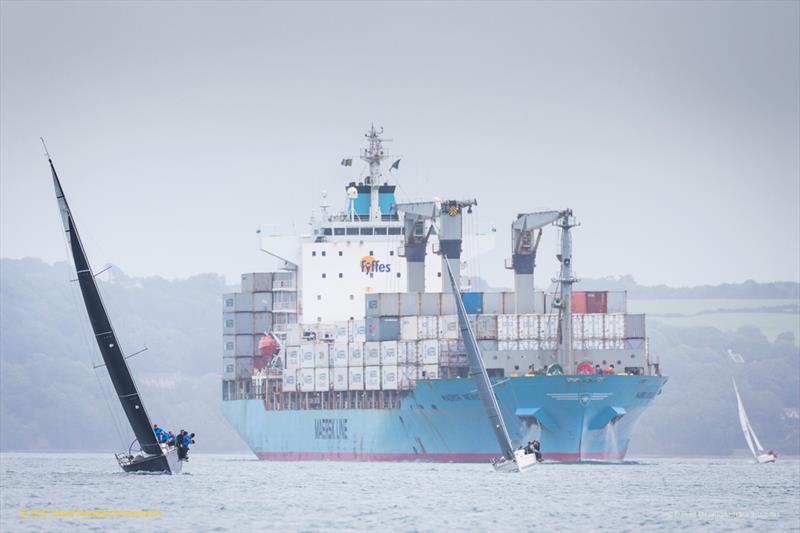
x=351 y=349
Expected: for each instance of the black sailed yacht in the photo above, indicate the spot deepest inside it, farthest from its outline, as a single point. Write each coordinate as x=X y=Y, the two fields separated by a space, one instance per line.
x=152 y=457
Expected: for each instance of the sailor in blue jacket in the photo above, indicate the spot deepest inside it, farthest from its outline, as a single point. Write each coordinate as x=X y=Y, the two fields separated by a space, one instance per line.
x=161 y=435
x=185 y=440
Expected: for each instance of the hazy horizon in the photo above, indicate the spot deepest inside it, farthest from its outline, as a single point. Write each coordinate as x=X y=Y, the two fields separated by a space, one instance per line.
x=178 y=129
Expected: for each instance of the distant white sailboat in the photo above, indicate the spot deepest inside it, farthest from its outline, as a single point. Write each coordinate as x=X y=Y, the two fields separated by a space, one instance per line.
x=750 y=436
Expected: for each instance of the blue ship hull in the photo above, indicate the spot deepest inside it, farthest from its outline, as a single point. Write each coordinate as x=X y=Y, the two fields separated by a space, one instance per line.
x=576 y=418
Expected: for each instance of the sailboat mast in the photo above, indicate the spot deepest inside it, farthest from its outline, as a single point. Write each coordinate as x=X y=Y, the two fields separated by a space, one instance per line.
x=103 y=331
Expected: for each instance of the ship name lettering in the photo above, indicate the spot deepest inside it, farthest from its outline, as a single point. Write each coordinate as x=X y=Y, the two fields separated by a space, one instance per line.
x=330 y=428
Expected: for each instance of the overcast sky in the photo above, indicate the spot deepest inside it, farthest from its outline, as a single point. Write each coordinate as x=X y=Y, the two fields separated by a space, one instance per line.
x=670 y=128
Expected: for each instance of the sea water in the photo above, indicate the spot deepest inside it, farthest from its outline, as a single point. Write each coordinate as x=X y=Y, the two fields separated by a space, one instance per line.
x=71 y=492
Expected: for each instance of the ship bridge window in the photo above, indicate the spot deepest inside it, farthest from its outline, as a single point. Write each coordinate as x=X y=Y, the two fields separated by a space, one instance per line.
x=380 y=231
x=323 y=253
x=324 y=275
x=338 y=231
x=340 y=253
x=327 y=231
x=394 y=231
x=367 y=231
x=340 y=275
x=391 y=252
x=352 y=231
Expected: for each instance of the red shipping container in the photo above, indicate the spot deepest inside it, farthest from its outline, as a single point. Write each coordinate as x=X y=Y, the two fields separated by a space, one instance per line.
x=579 y=303
x=597 y=302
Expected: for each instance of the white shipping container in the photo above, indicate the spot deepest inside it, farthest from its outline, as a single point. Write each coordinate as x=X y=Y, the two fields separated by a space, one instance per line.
x=508 y=345
x=577 y=327
x=528 y=344
x=306 y=355
x=493 y=303
x=356 y=354
x=305 y=376
x=593 y=326
x=528 y=326
x=428 y=327
x=509 y=303
x=389 y=378
x=340 y=355
x=372 y=378
x=289 y=380
x=326 y=332
x=617 y=302
x=355 y=378
x=549 y=326
x=358 y=330
x=322 y=379
x=294 y=334
x=342 y=331
x=486 y=327
x=409 y=328
x=614 y=326
x=389 y=352
x=291 y=357
x=407 y=352
x=321 y=355
x=538 y=302
x=372 y=353
x=429 y=372
x=447 y=304
x=507 y=327
x=408 y=374
x=429 y=352
x=448 y=327
x=340 y=378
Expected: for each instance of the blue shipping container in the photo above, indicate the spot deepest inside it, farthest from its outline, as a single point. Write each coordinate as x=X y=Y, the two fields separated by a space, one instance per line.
x=385 y=328
x=473 y=303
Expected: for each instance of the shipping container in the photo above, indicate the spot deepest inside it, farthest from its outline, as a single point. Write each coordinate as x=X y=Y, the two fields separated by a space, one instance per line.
x=597 y=302
x=291 y=357
x=528 y=326
x=385 y=328
x=509 y=302
x=372 y=353
x=507 y=327
x=355 y=379
x=487 y=345
x=228 y=302
x=356 y=354
x=340 y=379
x=507 y=345
x=389 y=378
x=306 y=355
x=429 y=304
x=409 y=328
x=262 y=322
x=473 y=302
x=372 y=305
x=382 y=304
x=305 y=378
x=448 y=327
x=237 y=323
x=340 y=356
x=493 y=303
x=407 y=352
x=538 y=302
x=429 y=372
x=284 y=301
x=577 y=327
x=548 y=325
x=447 y=304
x=244 y=367
x=262 y=301
x=634 y=326
x=289 y=380
x=243 y=345
x=294 y=333
x=358 y=331
x=408 y=375
x=342 y=331
x=372 y=378
x=389 y=353
x=283 y=281
x=322 y=379
x=617 y=302
x=613 y=326
x=486 y=327
x=428 y=327
x=322 y=355
x=578 y=302
x=326 y=332
x=428 y=351
x=409 y=304
x=257 y=282
x=229 y=367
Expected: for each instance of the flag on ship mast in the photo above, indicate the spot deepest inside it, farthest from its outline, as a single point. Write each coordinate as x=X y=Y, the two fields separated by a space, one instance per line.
x=347 y=162
x=395 y=166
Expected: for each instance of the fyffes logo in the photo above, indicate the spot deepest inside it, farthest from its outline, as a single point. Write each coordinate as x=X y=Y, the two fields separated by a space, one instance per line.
x=370 y=265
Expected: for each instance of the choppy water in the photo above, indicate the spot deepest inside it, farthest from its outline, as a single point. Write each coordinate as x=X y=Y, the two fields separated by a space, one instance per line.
x=239 y=493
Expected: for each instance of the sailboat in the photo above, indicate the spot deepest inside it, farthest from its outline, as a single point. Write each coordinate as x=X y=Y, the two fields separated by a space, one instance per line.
x=511 y=460
x=753 y=443
x=151 y=456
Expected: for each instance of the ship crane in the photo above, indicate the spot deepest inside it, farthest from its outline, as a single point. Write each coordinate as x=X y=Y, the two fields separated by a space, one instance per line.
x=415 y=239
x=523 y=254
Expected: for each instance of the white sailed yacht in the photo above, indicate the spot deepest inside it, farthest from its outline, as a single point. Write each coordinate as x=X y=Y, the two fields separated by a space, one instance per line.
x=753 y=443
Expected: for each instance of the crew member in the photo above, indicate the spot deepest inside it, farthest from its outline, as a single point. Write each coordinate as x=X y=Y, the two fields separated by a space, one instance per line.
x=159 y=433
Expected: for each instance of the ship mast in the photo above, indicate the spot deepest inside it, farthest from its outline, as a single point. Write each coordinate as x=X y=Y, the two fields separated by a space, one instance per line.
x=373 y=155
x=566 y=280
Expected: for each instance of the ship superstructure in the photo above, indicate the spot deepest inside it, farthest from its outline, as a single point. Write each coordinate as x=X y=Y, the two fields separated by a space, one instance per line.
x=353 y=350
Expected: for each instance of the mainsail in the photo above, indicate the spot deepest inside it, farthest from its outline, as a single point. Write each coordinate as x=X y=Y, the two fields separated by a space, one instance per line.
x=106 y=339
x=478 y=373
x=749 y=435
